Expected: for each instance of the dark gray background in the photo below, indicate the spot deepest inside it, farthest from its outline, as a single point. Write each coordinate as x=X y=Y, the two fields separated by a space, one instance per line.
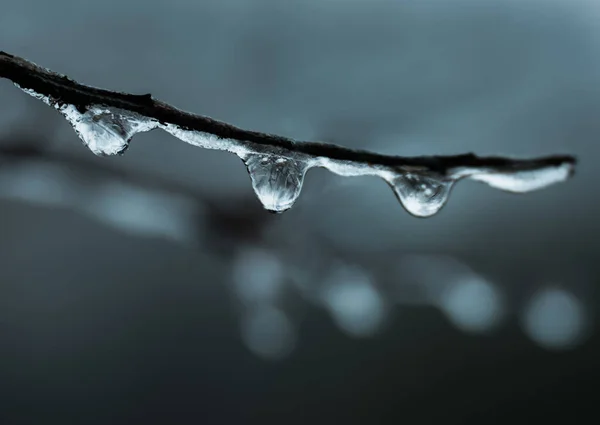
x=153 y=288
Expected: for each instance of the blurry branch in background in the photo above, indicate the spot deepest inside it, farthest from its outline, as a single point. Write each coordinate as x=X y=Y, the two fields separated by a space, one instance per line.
x=267 y=270
x=106 y=121
x=131 y=201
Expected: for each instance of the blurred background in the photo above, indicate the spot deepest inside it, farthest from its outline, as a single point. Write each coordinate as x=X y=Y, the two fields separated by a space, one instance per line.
x=153 y=288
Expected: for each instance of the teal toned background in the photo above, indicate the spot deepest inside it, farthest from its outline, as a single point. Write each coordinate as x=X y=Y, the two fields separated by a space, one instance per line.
x=152 y=288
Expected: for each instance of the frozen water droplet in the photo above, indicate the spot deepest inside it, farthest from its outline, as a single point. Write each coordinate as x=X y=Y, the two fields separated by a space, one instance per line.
x=106 y=131
x=277 y=181
x=421 y=195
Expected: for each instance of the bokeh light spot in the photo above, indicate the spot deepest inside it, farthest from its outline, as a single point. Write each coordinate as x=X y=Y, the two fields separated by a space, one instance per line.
x=472 y=304
x=354 y=303
x=268 y=333
x=554 y=319
x=257 y=275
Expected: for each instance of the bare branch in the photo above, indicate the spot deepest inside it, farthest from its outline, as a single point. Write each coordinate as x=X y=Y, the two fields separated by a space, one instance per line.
x=106 y=121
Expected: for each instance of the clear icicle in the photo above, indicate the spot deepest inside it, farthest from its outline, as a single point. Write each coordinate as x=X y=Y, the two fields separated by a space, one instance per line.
x=421 y=195
x=526 y=180
x=106 y=131
x=276 y=180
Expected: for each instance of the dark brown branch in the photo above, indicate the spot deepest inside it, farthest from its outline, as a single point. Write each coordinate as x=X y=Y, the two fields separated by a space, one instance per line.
x=66 y=91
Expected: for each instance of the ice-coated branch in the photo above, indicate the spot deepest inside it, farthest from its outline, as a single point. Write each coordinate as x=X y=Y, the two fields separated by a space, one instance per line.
x=106 y=121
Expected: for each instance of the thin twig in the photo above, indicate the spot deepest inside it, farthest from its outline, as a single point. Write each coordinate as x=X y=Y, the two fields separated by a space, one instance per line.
x=61 y=91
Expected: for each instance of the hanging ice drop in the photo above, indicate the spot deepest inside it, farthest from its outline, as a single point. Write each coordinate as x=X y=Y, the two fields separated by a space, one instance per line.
x=106 y=131
x=421 y=195
x=276 y=180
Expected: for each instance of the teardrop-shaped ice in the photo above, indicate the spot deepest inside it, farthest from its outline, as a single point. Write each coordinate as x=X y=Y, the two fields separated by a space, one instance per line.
x=421 y=195
x=106 y=131
x=276 y=180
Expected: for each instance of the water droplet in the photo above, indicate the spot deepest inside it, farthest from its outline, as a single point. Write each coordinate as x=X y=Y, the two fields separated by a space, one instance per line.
x=421 y=195
x=106 y=131
x=277 y=181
